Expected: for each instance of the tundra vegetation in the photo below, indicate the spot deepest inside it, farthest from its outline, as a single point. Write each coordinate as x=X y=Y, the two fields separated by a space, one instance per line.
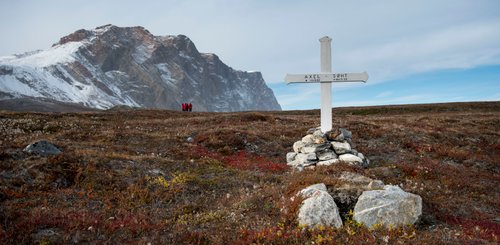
x=139 y=176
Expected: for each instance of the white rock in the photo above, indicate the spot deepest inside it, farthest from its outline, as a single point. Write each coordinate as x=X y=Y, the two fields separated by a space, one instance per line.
x=308 y=139
x=297 y=146
x=390 y=207
x=326 y=155
x=290 y=156
x=319 y=209
x=360 y=155
x=350 y=158
x=328 y=162
x=341 y=147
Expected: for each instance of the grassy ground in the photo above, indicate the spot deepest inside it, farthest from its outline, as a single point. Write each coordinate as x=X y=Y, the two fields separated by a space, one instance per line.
x=132 y=176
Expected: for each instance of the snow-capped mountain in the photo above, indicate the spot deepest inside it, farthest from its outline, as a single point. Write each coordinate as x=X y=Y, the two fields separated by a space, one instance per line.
x=111 y=65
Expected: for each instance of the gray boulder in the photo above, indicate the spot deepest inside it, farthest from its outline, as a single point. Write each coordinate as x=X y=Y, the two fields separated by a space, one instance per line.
x=341 y=147
x=43 y=148
x=326 y=155
x=304 y=159
x=390 y=207
x=351 y=159
x=318 y=208
x=345 y=133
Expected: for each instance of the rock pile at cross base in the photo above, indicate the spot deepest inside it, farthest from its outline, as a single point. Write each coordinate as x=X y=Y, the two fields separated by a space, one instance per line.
x=324 y=149
x=373 y=202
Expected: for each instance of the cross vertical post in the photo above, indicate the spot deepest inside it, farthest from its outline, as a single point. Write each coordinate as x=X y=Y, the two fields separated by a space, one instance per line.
x=326 y=87
x=326 y=78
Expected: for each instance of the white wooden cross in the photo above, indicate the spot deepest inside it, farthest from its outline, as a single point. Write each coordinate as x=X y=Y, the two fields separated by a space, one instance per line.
x=326 y=78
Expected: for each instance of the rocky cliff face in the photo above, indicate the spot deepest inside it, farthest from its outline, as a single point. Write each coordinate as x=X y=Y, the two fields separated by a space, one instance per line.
x=111 y=66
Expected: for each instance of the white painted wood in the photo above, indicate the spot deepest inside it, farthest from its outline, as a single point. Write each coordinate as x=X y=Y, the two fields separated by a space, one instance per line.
x=326 y=107
x=326 y=78
x=326 y=88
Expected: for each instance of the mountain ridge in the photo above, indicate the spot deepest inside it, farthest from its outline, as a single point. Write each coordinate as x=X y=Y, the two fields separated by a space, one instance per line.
x=109 y=66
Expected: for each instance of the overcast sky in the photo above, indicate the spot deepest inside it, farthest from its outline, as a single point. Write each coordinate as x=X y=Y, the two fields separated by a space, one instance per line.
x=414 y=51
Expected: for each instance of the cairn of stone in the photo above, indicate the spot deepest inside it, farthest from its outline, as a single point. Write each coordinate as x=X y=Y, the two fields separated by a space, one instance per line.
x=324 y=149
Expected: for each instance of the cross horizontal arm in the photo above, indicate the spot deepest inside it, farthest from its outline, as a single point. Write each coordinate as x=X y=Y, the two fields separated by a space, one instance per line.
x=326 y=77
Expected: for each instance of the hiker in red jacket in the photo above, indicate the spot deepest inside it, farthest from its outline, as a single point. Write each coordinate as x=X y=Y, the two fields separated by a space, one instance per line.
x=184 y=106
x=190 y=107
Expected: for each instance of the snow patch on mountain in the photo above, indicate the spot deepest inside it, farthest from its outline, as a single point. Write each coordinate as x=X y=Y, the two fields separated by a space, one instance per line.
x=58 y=54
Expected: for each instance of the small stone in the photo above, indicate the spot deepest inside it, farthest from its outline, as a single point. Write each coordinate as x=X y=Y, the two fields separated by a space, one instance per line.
x=308 y=139
x=331 y=135
x=319 y=140
x=328 y=162
x=290 y=156
x=326 y=155
x=306 y=157
x=190 y=139
x=339 y=137
x=346 y=133
x=313 y=148
x=341 y=147
x=43 y=148
x=297 y=146
x=350 y=158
